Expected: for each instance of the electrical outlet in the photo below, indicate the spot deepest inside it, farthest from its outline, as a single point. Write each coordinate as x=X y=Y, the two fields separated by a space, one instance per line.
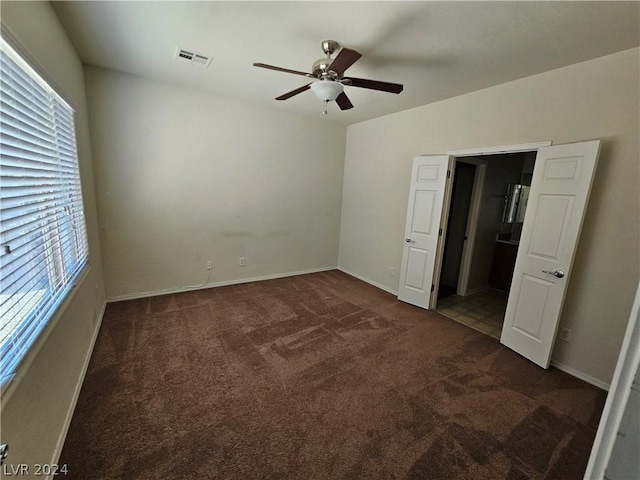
x=392 y=271
x=565 y=334
x=242 y=261
x=210 y=265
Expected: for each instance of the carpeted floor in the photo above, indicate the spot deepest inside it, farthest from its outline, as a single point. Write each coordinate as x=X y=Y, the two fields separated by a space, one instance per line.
x=318 y=376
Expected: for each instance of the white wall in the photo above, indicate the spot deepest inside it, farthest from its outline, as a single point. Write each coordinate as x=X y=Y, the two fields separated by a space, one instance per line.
x=37 y=404
x=590 y=100
x=184 y=177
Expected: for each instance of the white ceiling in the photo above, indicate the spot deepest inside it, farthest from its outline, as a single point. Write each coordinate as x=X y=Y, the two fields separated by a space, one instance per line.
x=436 y=49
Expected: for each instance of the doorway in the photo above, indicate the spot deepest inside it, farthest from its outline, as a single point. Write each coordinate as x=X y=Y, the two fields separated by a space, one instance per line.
x=547 y=242
x=473 y=289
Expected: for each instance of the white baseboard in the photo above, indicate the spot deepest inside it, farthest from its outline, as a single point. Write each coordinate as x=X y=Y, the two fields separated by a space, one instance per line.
x=581 y=375
x=76 y=394
x=155 y=293
x=370 y=282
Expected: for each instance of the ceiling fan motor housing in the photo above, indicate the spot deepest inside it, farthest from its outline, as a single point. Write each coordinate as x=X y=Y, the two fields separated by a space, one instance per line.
x=321 y=67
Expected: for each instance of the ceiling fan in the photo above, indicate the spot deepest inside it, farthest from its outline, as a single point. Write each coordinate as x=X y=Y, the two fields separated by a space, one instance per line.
x=330 y=77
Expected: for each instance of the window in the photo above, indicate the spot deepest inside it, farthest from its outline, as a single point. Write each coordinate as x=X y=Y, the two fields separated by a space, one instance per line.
x=43 y=241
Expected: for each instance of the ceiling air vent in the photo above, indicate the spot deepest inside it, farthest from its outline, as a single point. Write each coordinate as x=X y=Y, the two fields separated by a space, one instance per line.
x=193 y=57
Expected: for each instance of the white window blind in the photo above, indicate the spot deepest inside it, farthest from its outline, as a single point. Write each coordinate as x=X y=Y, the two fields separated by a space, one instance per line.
x=43 y=237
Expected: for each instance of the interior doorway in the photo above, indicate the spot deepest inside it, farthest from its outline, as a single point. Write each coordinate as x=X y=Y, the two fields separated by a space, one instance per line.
x=486 y=225
x=546 y=241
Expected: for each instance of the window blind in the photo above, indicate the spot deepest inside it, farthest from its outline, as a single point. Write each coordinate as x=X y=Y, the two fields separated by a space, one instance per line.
x=43 y=236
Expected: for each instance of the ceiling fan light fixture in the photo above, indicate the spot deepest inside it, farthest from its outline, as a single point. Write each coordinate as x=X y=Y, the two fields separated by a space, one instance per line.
x=327 y=90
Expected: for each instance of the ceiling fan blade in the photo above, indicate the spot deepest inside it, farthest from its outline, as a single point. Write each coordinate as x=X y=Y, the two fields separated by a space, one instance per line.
x=280 y=69
x=343 y=102
x=293 y=92
x=344 y=60
x=374 y=85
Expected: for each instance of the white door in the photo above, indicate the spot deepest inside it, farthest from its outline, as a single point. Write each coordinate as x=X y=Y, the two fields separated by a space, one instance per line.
x=560 y=189
x=424 y=213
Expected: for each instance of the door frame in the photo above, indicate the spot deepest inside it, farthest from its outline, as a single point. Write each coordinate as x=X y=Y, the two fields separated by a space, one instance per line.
x=498 y=149
x=444 y=223
x=474 y=211
x=613 y=414
x=472 y=221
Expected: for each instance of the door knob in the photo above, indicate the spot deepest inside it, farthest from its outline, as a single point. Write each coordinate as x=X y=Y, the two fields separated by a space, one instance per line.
x=557 y=273
x=408 y=240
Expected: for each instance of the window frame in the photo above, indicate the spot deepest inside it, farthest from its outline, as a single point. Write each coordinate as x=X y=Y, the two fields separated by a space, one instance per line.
x=67 y=258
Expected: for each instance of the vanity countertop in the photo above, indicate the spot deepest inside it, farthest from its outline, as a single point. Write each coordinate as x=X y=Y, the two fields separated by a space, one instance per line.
x=508 y=238
x=508 y=242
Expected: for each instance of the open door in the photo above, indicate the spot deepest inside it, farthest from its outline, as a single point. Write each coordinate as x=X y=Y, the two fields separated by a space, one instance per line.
x=423 y=229
x=559 y=193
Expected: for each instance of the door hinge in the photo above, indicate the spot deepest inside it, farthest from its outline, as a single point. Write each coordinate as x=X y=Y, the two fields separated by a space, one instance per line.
x=448 y=173
x=440 y=232
x=433 y=287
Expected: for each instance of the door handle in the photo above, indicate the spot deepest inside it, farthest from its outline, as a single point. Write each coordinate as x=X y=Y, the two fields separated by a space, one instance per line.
x=557 y=273
x=408 y=240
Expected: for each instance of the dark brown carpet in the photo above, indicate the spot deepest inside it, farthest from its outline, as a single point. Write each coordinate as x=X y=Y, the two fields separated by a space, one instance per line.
x=318 y=376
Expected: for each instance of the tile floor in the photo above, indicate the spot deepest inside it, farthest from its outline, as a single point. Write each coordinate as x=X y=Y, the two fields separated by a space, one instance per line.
x=482 y=311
